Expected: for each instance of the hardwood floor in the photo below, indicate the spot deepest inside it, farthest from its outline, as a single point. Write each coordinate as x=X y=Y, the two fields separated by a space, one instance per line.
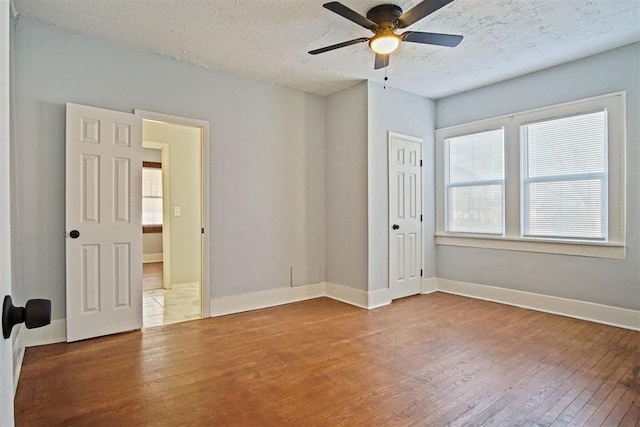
x=430 y=360
x=151 y=275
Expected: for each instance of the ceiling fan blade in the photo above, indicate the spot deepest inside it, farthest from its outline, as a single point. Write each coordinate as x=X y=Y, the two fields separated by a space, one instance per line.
x=450 y=40
x=351 y=15
x=381 y=61
x=419 y=11
x=338 y=45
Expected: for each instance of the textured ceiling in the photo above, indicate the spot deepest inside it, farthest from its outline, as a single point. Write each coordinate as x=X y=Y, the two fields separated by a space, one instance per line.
x=268 y=40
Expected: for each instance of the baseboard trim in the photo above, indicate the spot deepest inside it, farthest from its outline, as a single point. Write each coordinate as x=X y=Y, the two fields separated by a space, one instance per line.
x=264 y=299
x=380 y=298
x=50 y=334
x=18 y=355
x=429 y=285
x=347 y=294
x=147 y=258
x=598 y=313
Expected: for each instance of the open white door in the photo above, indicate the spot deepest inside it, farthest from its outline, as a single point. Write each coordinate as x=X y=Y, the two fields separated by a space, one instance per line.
x=103 y=222
x=6 y=347
x=405 y=215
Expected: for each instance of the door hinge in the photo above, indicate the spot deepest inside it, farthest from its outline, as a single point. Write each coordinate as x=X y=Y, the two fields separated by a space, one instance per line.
x=202 y=230
x=420 y=218
x=420 y=272
x=420 y=163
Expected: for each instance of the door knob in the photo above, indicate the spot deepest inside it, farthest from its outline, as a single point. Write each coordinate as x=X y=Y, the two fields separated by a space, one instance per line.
x=395 y=226
x=35 y=314
x=74 y=234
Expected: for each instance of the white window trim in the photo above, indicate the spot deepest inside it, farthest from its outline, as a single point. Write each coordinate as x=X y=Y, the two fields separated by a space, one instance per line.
x=512 y=239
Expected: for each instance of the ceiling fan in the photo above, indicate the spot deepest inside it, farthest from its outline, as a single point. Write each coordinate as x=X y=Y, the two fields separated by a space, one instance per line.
x=383 y=20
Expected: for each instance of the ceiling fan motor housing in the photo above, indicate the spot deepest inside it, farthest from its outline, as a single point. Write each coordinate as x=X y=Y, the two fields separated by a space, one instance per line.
x=385 y=15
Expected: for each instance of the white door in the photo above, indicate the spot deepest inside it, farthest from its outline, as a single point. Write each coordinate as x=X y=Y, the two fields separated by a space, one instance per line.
x=405 y=215
x=103 y=222
x=6 y=347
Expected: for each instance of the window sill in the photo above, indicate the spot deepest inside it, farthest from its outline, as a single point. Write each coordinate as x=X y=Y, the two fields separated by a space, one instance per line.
x=152 y=228
x=586 y=249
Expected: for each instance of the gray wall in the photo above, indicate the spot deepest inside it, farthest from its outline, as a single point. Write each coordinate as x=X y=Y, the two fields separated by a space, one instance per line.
x=605 y=281
x=266 y=170
x=402 y=112
x=346 y=187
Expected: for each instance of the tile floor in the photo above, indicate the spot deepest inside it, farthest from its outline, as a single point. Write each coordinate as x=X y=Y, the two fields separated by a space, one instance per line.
x=163 y=306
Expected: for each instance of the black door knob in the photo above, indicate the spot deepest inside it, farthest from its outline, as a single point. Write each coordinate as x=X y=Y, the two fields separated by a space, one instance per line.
x=35 y=314
x=395 y=226
x=74 y=234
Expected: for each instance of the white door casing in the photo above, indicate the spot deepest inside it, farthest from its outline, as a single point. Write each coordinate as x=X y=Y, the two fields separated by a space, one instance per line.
x=104 y=204
x=405 y=215
x=6 y=347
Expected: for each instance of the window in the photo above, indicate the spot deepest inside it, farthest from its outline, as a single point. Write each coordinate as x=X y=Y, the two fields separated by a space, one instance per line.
x=547 y=180
x=564 y=180
x=475 y=183
x=151 y=196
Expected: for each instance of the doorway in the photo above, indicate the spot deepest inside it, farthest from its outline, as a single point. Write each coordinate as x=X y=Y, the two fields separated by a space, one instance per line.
x=173 y=285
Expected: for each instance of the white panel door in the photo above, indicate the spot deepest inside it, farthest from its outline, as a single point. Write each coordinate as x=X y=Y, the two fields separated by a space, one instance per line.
x=405 y=215
x=6 y=347
x=103 y=222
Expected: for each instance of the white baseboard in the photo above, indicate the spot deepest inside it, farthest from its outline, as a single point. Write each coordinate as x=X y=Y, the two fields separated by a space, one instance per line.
x=146 y=258
x=263 y=299
x=347 y=294
x=429 y=285
x=357 y=297
x=379 y=298
x=279 y=296
x=18 y=354
x=599 y=313
x=50 y=334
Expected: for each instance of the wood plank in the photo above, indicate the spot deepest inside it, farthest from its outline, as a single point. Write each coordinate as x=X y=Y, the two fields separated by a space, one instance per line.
x=434 y=359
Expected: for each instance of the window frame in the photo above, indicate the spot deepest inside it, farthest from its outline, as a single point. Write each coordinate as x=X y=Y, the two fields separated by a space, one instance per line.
x=513 y=238
x=151 y=228
x=448 y=185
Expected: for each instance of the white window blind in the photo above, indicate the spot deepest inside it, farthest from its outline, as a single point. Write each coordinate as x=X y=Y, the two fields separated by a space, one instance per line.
x=151 y=196
x=564 y=183
x=475 y=183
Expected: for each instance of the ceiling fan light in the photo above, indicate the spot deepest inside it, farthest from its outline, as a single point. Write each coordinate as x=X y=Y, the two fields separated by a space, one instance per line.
x=384 y=43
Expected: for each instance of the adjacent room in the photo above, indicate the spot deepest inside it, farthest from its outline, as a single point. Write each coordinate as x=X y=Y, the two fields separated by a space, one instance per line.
x=417 y=213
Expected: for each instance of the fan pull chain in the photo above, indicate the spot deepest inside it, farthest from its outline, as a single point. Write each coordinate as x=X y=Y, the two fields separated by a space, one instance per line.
x=384 y=85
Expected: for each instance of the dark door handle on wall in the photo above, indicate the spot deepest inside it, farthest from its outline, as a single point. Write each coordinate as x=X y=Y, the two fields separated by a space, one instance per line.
x=35 y=314
x=74 y=234
x=395 y=226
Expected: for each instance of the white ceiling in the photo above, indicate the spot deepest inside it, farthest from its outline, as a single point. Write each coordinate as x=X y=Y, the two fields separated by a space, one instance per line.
x=268 y=40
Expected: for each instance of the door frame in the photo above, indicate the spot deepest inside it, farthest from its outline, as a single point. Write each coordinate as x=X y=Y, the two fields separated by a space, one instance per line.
x=7 y=376
x=390 y=136
x=205 y=160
